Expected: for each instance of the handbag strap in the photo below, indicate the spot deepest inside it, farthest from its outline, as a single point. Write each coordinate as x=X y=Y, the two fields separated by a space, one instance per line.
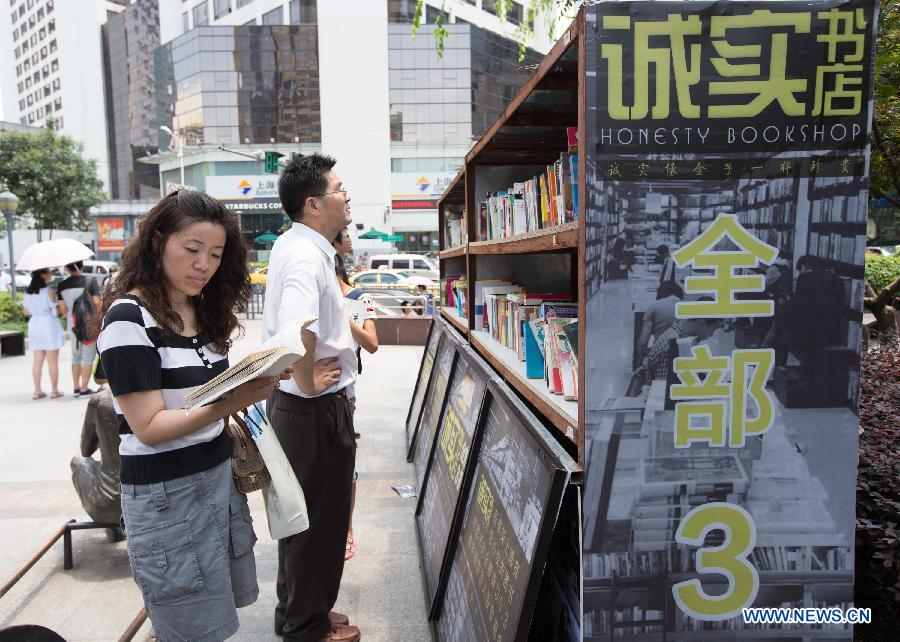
x=238 y=433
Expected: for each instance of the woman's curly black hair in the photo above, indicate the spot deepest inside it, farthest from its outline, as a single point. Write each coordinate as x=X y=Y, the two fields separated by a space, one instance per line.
x=222 y=298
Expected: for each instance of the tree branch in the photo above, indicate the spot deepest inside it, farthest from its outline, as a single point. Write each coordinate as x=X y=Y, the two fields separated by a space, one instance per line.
x=877 y=193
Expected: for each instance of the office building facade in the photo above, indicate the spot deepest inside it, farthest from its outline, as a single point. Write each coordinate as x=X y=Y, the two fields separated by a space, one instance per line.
x=51 y=69
x=250 y=75
x=130 y=40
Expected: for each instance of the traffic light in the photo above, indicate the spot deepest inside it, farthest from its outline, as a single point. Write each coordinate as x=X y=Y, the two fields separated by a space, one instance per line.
x=272 y=162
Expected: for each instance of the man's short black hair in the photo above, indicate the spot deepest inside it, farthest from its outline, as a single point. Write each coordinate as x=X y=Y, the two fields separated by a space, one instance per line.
x=77 y=266
x=303 y=177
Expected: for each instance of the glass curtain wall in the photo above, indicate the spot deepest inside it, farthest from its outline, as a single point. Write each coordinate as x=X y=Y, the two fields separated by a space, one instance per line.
x=241 y=85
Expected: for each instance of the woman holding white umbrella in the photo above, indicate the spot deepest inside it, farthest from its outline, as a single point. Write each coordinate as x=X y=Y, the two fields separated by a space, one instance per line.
x=45 y=335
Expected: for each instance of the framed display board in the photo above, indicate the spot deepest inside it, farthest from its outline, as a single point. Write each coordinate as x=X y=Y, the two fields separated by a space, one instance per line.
x=517 y=485
x=448 y=476
x=433 y=405
x=425 y=368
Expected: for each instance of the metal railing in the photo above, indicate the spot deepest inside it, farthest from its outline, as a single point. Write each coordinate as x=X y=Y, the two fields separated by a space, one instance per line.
x=386 y=305
x=65 y=532
x=413 y=305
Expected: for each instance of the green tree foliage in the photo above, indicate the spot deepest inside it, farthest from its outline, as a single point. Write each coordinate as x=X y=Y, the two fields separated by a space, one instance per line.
x=881 y=271
x=533 y=10
x=55 y=184
x=885 y=179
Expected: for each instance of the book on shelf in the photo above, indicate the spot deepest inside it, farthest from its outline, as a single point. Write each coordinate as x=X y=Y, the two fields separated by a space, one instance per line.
x=481 y=299
x=454 y=231
x=544 y=200
x=478 y=297
x=271 y=358
x=447 y=287
x=459 y=291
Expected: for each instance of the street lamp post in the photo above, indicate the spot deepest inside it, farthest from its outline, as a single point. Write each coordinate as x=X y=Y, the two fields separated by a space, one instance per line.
x=180 y=142
x=9 y=203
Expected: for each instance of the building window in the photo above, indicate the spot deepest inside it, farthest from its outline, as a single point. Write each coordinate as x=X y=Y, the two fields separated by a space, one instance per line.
x=303 y=12
x=51 y=26
x=513 y=15
x=49 y=6
x=55 y=84
x=40 y=14
x=52 y=45
x=201 y=15
x=21 y=105
x=42 y=33
x=185 y=22
x=221 y=8
x=242 y=3
x=57 y=104
x=54 y=66
x=273 y=17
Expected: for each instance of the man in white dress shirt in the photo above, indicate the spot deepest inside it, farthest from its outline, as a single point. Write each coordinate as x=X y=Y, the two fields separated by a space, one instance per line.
x=310 y=412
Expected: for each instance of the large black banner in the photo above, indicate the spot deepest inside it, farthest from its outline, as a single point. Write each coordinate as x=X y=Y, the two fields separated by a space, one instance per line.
x=725 y=236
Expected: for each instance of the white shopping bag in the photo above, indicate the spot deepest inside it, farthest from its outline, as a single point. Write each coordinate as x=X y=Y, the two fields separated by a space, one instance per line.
x=284 y=499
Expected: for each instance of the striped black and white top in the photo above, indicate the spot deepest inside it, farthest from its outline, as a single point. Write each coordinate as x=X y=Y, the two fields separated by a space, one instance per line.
x=138 y=355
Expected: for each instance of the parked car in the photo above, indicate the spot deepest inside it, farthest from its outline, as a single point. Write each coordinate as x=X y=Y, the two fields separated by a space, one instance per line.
x=23 y=279
x=258 y=276
x=377 y=277
x=413 y=262
x=884 y=250
x=100 y=271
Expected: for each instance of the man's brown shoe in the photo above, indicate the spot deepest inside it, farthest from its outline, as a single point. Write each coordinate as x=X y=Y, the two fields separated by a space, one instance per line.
x=338 y=619
x=344 y=634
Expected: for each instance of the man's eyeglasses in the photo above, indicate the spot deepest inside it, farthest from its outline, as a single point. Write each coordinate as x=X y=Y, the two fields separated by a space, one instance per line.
x=343 y=191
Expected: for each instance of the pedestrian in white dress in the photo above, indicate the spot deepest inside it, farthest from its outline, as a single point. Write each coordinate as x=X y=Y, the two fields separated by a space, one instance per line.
x=45 y=335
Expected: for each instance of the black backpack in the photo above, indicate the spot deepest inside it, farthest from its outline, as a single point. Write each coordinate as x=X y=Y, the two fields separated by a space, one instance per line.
x=82 y=313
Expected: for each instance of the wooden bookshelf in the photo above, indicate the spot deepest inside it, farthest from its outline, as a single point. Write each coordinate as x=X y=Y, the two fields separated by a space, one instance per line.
x=530 y=131
x=453 y=252
x=554 y=239
x=455 y=320
x=561 y=413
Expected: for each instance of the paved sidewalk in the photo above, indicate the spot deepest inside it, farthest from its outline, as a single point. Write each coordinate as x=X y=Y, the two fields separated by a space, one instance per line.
x=381 y=590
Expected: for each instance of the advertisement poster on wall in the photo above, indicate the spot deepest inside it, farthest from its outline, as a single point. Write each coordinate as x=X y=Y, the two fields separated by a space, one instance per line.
x=110 y=235
x=728 y=160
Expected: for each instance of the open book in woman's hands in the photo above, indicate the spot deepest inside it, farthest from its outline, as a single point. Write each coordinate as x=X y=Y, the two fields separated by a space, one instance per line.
x=271 y=358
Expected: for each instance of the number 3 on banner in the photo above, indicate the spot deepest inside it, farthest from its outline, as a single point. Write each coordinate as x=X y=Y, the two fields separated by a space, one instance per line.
x=729 y=559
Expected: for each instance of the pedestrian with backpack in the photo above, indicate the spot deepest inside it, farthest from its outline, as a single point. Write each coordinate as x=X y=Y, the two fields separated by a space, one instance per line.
x=79 y=300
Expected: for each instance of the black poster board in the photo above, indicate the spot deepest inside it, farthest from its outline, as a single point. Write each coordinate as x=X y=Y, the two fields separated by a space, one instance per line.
x=435 y=330
x=439 y=511
x=433 y=405
x=516 y=492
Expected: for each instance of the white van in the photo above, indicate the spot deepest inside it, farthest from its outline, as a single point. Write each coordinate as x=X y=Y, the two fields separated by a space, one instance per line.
x=412 y=263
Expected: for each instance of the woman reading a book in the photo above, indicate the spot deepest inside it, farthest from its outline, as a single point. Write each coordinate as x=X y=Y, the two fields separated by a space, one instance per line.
x=166 y=329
